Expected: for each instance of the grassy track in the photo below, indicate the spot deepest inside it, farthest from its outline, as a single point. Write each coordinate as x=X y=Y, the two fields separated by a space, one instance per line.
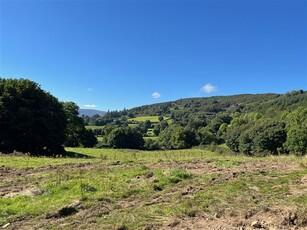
x=130 y=189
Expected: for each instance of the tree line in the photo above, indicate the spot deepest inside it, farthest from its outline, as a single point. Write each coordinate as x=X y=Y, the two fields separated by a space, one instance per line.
x=32 y=120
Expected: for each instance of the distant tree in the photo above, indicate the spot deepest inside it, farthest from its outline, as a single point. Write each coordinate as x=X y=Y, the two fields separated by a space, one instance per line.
x=76 y=133
x=151 y=144
x=144 y=126
x=31 y=120
x=177 y=137
x=87 y=138
x=218 y=121
x=125 y=137
x=160 y=127
x=131 y=115
x=269 y=136
x=160 y=118
x=184 y=139
x=246 y=144
x=205 y=137
x=233 y=133
x=265 y=136
x=296 y=125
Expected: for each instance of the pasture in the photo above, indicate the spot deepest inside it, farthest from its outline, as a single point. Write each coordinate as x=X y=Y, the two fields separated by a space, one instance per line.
x=93 y=127
x=152 y=119
x=130 y=189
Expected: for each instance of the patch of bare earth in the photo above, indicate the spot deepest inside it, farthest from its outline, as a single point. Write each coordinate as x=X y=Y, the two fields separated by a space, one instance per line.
x=208 y=166
x=275 y=219
x=299 y=187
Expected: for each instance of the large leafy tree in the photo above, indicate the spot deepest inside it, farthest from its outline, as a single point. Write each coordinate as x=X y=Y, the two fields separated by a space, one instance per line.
x=31 y=120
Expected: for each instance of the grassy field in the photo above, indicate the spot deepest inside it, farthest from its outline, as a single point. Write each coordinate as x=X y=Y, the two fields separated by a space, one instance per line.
x=152 y=119
x=130 y=189
x=93 y=127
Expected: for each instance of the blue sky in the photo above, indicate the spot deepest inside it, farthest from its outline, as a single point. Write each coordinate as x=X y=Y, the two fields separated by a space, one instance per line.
x=126 y=53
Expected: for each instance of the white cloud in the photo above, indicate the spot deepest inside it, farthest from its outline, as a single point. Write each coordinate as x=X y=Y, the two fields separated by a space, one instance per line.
x=156 y=95
x=208 y=88
x=89 y=89
x=90 y=106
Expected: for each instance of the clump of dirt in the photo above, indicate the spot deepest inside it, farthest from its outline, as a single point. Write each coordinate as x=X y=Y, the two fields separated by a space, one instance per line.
x=67 y=210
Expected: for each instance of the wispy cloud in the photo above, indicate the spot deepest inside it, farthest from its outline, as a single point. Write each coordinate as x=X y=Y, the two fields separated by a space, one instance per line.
x=208 y=88
x=90 y=106
x=156 y=95
x=89 y=89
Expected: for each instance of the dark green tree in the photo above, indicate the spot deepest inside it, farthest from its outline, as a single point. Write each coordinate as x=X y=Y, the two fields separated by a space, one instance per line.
x=87 y=138
x=160 y=127
x=125 y=137
x=31 y=120
x=205 y=137
x=144 y=126
x=177 y=137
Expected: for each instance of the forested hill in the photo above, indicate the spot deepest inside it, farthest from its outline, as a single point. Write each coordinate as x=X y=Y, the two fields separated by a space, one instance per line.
x=266 y=104
x=247 y=123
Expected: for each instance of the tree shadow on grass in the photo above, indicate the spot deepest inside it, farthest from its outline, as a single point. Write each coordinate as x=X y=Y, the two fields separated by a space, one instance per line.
x=71 y=154
x=63 y=154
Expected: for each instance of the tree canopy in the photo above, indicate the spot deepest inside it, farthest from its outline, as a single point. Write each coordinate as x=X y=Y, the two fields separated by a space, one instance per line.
x=31 y=120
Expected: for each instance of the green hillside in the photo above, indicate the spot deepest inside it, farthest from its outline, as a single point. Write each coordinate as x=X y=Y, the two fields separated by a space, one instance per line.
x=249 y=123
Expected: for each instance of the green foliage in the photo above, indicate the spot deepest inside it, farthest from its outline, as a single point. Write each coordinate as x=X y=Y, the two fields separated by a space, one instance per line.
x=87 y=138
x=125 y=137
x=231 y=119
x=151 y=144
x=160 y=127
x=31 y=120
x=177 y=137
x=297 y=131
x=144 y=126
x=205 y=137
x=232 y=137
x=76 y=133
x=265 y=136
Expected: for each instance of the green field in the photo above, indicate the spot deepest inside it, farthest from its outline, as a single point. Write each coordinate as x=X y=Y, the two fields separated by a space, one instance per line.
x=152 y=119
x=93 y=127
x=131 y=189
x=152 y=138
